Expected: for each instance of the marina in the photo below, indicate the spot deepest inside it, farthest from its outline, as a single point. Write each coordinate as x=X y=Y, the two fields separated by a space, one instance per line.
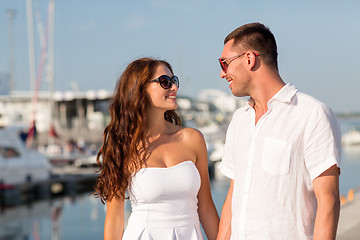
x=27 y=174
x=60 y=207
x=49 y=137
x=81 y=216
x=72 y=213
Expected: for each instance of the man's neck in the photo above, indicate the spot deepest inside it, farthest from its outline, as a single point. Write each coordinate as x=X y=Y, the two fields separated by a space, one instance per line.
x=268 y=85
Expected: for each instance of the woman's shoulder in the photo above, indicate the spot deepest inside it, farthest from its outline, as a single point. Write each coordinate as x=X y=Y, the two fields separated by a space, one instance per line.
x=187 y=134
x=191 y=134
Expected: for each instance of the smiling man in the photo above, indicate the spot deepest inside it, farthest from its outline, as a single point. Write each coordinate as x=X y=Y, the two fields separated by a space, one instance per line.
x=282 y=149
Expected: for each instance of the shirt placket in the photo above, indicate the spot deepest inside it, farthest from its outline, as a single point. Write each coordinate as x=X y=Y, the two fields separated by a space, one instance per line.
x=248 y=172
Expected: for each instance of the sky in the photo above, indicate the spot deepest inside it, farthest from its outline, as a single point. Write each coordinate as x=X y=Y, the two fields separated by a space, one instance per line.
x=318 y=42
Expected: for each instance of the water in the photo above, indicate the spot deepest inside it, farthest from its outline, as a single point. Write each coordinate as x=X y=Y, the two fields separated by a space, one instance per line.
x=70 y=218
x=82 y=216
x=350 y=159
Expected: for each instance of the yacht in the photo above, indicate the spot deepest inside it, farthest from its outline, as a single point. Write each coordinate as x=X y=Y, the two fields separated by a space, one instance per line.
x=351 y=138
x=18 y=163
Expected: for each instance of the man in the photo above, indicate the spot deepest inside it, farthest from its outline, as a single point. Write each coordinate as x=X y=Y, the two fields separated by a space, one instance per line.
x=282 y=149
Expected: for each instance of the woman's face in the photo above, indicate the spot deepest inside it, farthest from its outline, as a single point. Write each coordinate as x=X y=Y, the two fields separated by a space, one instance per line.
x=158 y=96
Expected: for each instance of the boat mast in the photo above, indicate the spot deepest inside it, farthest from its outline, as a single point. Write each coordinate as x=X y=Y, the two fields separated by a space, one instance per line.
x=32 y=70
x=50 y=66
x=11 y=16
x=31 y=44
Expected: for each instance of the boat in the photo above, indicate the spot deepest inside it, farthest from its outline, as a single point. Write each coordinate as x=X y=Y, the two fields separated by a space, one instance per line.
x=65 y=154
x=351 y=138
x=87 y=162
x=18 y=163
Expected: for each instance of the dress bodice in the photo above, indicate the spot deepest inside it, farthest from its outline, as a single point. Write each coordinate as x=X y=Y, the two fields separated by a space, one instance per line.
x=165 y=198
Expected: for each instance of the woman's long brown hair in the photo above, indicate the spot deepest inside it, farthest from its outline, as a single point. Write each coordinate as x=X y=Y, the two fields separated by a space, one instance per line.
x=122 y=153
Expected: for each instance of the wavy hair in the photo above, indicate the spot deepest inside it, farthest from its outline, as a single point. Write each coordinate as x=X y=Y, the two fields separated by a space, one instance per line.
x=123 y=151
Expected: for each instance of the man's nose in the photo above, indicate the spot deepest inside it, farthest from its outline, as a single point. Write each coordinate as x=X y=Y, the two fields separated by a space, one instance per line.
x=222 y=74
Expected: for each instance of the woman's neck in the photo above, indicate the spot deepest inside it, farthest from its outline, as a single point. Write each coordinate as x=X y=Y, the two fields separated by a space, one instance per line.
x=156 y=124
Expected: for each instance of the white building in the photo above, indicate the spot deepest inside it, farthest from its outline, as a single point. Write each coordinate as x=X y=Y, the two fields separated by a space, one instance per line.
x=223 y=101
x=71 y=109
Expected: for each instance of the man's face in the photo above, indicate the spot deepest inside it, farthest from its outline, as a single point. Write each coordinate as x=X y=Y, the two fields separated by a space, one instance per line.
x=235 y=71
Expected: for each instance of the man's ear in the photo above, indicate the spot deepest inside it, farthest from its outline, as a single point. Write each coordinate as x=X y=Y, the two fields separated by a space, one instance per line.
x=251 y=59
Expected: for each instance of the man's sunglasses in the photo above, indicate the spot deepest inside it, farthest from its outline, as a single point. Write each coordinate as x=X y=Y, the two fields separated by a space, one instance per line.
x=224 y=64
x=166 y=81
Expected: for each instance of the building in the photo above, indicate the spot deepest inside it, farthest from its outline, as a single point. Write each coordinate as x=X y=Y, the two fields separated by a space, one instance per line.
x=70 y=113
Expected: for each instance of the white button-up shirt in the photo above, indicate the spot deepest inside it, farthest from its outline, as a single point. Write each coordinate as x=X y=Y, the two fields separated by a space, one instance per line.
x=274 y=162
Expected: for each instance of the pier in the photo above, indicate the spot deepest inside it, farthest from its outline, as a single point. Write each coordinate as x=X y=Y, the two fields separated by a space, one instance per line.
x=349 y=222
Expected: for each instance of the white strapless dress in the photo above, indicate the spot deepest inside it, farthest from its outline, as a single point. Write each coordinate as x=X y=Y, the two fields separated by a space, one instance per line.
x=164 y=204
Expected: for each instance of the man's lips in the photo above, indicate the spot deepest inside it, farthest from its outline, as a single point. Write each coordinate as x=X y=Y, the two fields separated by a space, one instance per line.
x=229 y=80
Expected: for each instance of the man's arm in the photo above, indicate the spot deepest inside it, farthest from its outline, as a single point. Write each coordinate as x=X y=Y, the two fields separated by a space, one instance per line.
x=326 y=188
x=225 y=221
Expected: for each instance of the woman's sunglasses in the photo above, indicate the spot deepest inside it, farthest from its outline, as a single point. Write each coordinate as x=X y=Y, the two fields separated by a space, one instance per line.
x=166 y=81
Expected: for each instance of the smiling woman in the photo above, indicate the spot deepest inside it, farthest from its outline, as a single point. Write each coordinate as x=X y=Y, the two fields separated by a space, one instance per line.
x=146 y=148
x=162 y=91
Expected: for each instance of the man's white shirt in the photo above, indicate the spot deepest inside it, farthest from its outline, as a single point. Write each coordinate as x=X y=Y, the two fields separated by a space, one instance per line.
x=274 y=162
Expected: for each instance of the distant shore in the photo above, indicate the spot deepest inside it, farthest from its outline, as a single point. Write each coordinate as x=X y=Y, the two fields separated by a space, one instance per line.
x=348 y=115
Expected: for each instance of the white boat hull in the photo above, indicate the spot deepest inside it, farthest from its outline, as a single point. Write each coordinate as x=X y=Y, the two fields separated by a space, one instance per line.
x=19 y=164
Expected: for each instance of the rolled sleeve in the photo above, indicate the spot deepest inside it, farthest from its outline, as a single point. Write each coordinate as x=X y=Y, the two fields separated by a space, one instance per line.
x=227 y=165
x=226 y=170
x=325 y=165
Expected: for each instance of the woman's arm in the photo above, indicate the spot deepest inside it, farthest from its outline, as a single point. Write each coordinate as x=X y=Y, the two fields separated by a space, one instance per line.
x=208 y=215
x=114 y=221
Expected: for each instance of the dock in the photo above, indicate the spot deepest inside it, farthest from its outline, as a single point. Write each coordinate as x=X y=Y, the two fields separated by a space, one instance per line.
x=349 y=222
x=66 y=180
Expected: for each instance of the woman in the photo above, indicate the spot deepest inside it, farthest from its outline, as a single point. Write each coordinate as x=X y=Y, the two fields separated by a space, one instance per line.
x=161 y=164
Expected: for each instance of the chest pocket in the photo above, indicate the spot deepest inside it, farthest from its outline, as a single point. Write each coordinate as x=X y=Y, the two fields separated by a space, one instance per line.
x=276 y=156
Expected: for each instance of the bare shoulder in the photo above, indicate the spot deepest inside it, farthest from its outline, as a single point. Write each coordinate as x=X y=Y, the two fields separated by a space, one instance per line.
x=195 y=141
x=191 y=132
x=192 y=136
x=185 y=133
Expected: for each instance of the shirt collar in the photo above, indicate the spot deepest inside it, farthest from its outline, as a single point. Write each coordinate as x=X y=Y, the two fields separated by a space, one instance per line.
x=285 y=95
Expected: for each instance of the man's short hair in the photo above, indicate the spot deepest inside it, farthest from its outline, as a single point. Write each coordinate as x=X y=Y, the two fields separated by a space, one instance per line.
x=258 y=38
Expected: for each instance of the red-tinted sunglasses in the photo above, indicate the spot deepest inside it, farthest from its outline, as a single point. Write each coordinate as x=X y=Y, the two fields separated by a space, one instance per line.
x=224 y=64
x=166 y=81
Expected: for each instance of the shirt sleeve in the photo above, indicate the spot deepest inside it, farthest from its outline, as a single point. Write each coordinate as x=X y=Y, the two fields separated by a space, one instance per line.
x=322 y=141
x=227 y=165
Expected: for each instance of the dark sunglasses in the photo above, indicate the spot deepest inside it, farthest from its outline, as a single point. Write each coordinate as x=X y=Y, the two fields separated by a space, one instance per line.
x=224 y=64
x=166 y=81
